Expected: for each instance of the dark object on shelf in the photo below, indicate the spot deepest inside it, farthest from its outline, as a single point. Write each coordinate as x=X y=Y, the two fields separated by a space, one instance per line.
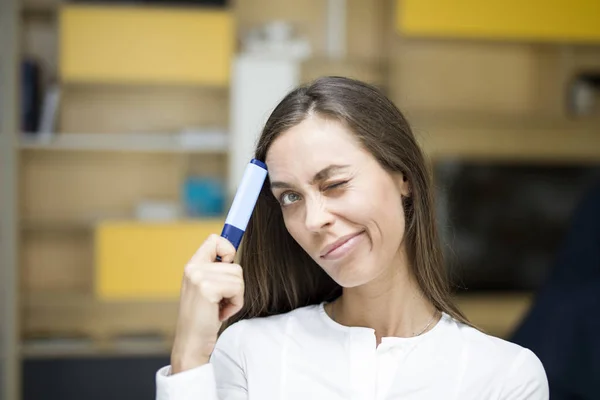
x=502 y=224
x=583 y=94
x=30 y=95
x=562 y=326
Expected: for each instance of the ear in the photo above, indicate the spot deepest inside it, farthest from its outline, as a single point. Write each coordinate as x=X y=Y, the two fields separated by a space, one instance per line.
x=404 y=185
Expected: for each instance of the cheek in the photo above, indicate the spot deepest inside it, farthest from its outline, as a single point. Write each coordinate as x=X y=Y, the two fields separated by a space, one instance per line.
x=387 y=215
x=295 y=230
x=382 y=203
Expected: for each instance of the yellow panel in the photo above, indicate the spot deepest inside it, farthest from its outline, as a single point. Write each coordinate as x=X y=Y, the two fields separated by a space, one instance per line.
x=537 y=20
x=108 y=44
x=145 y=261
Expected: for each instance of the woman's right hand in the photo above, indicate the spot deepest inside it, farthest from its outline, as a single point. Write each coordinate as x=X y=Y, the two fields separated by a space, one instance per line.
x=211 y=292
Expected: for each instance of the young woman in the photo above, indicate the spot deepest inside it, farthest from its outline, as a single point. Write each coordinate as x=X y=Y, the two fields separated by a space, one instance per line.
x=341 y=291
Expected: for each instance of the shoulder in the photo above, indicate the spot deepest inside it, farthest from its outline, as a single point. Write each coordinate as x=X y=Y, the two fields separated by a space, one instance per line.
x=516 y=370
x=483 y=345
x=526 y=378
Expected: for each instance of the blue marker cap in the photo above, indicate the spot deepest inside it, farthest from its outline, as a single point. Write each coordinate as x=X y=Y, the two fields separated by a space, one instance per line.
x=244 y=202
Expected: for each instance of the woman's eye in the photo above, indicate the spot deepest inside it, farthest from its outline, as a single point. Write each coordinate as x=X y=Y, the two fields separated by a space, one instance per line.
x=336 y=185
x=289 y=198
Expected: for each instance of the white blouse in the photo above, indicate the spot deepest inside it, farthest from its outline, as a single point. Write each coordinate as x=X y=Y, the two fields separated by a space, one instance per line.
x=304 y=354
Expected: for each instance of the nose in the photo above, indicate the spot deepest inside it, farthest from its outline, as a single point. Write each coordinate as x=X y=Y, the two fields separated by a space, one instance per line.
x=317 y=215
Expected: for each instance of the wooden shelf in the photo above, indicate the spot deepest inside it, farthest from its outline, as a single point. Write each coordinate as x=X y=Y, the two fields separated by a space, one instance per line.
x=70 y=225
x=509 y=139
x=62 y=314
x=69 y=347
x=497 y=314
x=55 y=225
x=211 y=142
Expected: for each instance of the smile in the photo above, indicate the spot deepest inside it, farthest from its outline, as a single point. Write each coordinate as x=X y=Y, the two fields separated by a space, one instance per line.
x=342 y=246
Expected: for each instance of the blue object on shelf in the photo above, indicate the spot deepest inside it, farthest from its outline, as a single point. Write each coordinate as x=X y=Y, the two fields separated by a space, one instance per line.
x=204 y=197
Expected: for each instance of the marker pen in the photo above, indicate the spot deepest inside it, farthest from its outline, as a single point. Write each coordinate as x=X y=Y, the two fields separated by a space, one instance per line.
x=244 y=202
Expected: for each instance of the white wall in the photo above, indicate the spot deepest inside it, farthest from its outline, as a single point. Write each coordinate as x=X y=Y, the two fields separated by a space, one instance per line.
x=258 y=84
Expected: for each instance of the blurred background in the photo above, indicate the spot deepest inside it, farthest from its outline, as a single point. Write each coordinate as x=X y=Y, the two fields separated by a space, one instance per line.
x=125 y=127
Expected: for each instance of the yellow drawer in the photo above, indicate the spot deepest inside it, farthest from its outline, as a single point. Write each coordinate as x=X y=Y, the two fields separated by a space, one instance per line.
x=145 y=261
x=119 y=44
x=536 y=20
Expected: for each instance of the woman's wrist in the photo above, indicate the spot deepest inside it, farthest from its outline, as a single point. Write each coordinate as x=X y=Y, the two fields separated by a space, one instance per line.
x=187 y=357
x=185 y=363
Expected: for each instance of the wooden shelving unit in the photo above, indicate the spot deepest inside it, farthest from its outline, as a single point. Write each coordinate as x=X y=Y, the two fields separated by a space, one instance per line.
x=119 y=143
x=208 y=143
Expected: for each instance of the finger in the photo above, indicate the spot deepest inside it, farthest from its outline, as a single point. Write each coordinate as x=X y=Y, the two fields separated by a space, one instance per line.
x=197 y=273
x=204 y=276
x=215 y=287
x=225 y=250
x=234 y=270
x=214 y=279
x=231 y=306
x=232 y=291
x=212 y=247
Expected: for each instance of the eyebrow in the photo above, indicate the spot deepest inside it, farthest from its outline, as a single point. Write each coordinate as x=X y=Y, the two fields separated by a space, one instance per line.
x=319 y=176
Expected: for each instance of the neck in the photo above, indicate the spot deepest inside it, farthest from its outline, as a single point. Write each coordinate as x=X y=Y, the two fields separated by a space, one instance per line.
x=392 y=304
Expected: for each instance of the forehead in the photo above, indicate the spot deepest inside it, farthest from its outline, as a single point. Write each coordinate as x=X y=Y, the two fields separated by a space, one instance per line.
x=308 y=147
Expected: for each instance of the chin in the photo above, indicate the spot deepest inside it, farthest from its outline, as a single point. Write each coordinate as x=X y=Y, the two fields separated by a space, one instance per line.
x=352 y=274
x=351 y=283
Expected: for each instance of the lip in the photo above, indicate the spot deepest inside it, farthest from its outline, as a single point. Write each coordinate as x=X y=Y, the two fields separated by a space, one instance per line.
x=330 y=248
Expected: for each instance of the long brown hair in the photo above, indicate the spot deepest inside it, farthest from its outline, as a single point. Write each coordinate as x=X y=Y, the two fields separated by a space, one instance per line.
x=279 y=275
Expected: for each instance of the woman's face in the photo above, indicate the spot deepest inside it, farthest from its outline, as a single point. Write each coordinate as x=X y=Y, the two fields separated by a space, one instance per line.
x=338 y=203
